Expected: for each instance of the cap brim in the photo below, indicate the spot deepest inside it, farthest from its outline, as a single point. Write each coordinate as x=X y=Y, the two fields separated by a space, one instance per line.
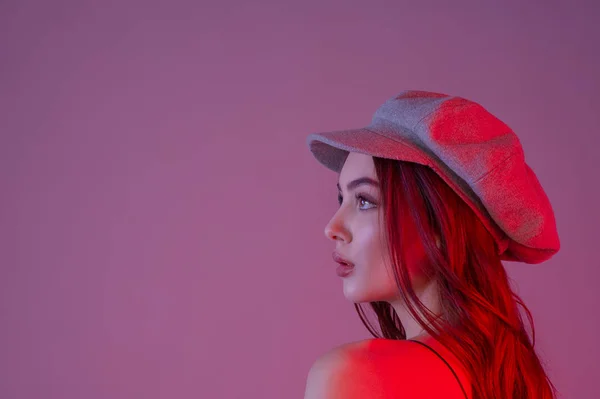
x=332 y=148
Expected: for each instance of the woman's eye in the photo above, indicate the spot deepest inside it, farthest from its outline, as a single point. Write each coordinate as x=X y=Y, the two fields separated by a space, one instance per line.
x=361 y=200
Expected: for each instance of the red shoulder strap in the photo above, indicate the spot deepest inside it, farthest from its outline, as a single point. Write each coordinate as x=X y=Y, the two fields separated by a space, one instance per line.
x=444 y=360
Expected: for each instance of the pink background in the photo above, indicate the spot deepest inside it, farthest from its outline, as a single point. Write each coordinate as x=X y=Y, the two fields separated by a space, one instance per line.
x=162 y=219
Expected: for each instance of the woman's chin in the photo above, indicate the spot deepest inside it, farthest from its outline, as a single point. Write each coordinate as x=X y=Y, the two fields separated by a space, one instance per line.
x=357 y=295
x=353 y=296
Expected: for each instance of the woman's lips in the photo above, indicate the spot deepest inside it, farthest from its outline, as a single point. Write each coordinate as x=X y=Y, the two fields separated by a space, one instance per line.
x=344 y=270
x=345 y=266
x=339 y=259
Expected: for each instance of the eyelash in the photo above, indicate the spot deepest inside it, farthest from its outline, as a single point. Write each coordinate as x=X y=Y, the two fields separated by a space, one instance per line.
x=359 y=197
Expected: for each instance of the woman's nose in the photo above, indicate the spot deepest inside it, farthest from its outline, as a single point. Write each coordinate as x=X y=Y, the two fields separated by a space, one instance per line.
x=335 y=230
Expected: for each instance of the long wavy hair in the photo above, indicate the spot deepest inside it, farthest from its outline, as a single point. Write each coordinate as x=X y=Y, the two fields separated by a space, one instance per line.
x=481 y=323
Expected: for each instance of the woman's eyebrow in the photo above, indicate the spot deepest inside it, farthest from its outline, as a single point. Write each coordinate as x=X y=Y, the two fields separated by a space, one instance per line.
x=360 y=181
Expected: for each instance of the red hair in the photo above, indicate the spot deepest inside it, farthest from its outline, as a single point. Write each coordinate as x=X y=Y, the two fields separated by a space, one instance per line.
x=481 y=323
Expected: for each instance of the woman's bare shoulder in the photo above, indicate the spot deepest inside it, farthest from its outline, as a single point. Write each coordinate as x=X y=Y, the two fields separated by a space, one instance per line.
x=380 y=368
x=377 y=349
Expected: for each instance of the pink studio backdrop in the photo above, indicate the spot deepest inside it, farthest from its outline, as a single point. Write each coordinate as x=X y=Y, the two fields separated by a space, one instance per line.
x=161 y=219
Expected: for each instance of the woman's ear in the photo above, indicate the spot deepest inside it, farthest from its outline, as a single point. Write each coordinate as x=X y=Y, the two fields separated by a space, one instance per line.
x=437 y=241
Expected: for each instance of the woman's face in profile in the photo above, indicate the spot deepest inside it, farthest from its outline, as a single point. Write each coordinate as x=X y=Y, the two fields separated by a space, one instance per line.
x=356 y=229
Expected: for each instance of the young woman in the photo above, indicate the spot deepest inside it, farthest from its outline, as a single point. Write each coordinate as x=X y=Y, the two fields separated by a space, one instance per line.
x=433 y=195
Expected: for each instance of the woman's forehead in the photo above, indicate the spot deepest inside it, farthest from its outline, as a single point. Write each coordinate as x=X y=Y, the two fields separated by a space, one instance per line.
x=358 y=170
x=357 y=165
